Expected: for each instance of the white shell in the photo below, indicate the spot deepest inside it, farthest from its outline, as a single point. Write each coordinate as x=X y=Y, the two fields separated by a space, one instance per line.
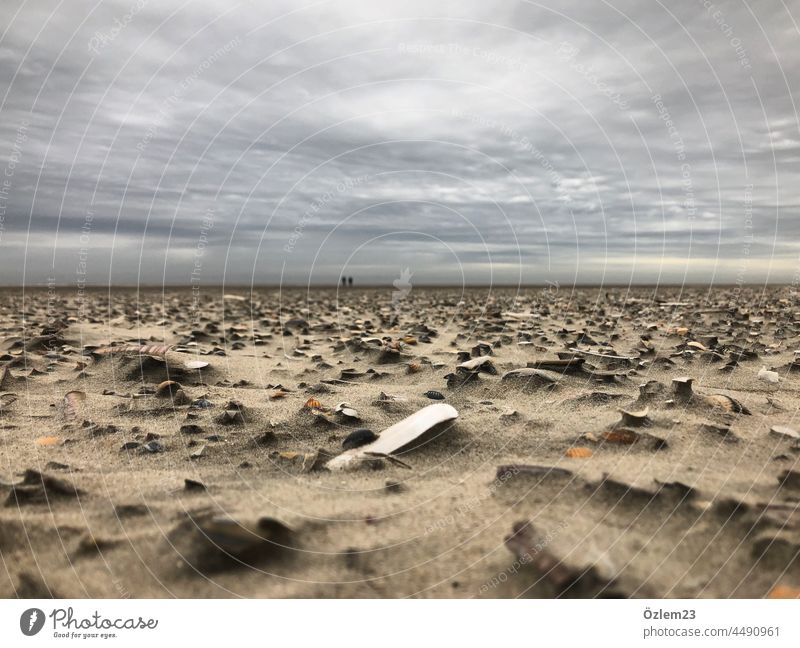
x=395 y=437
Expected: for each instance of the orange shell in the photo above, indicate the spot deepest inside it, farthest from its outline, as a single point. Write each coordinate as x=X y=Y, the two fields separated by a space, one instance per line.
x=784 y=592
x=48 y=441
x=313 y=403
x=578 y=453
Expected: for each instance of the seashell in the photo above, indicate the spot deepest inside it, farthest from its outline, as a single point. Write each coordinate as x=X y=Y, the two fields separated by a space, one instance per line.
x=784 y=431
x=395 y=437
x=346 y=410
x=300 y=462
x=5 y=401
x=481 y=364
x=154 y=447
x=358 y=438
x=48 y=441
x=414 y=367
x=725 y=403
x=578 y=453
x=696 y=346
x=231 y=417
x=167 y=389
x=312 y=403
x=278 y=394
x=73 y=404
x=768 y=376
x=433 y=395
x=635 y=418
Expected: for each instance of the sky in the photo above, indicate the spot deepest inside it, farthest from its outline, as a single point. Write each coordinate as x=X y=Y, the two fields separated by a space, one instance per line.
x=449 y=142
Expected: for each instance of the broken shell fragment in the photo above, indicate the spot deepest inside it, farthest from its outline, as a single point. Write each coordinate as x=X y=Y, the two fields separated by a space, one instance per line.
x=346 y=410
x=168 y=389
x=481 y=364
x=768 y=376
x=578 y=453
x=635 y=418
x=396 y=437
x=784 y=431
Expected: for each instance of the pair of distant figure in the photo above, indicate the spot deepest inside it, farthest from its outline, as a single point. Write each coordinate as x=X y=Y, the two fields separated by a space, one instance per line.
x=347 y=281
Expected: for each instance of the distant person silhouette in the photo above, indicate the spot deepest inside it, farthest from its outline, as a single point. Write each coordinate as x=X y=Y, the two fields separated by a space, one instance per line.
x=344 y=281
x=350 y=281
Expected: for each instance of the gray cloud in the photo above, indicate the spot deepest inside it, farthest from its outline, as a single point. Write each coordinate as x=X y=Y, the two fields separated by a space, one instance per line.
x=469 y=141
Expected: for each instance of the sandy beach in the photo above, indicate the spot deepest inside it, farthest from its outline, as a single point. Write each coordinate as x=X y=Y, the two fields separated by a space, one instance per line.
x=623 y=442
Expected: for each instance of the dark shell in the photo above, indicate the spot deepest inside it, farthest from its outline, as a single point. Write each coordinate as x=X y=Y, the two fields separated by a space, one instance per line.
x=434 y=395
x=358 y=438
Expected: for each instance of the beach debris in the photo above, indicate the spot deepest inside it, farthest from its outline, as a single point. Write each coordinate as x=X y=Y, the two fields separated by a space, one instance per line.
x=434 y=395
x=481 y=364
x=396 y=437
x=358 y=438
x=634 y=418
x=784 y=431
x=153 y=447
x=769 y=376
x=40 y=488
x=234 y=413
x=172 y=390
x=160 y=352
x=346 y=410
x=312 y=403
x=300 y=462
x=6 y=401
x=578 y=453
x=45 y=441
x=73 y=405
x=685 y=395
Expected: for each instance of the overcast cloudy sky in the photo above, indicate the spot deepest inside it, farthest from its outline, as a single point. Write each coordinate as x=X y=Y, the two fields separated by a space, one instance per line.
x=503 y=141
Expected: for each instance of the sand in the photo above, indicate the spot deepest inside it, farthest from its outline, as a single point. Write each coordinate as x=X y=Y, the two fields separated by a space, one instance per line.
x=690 y=499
